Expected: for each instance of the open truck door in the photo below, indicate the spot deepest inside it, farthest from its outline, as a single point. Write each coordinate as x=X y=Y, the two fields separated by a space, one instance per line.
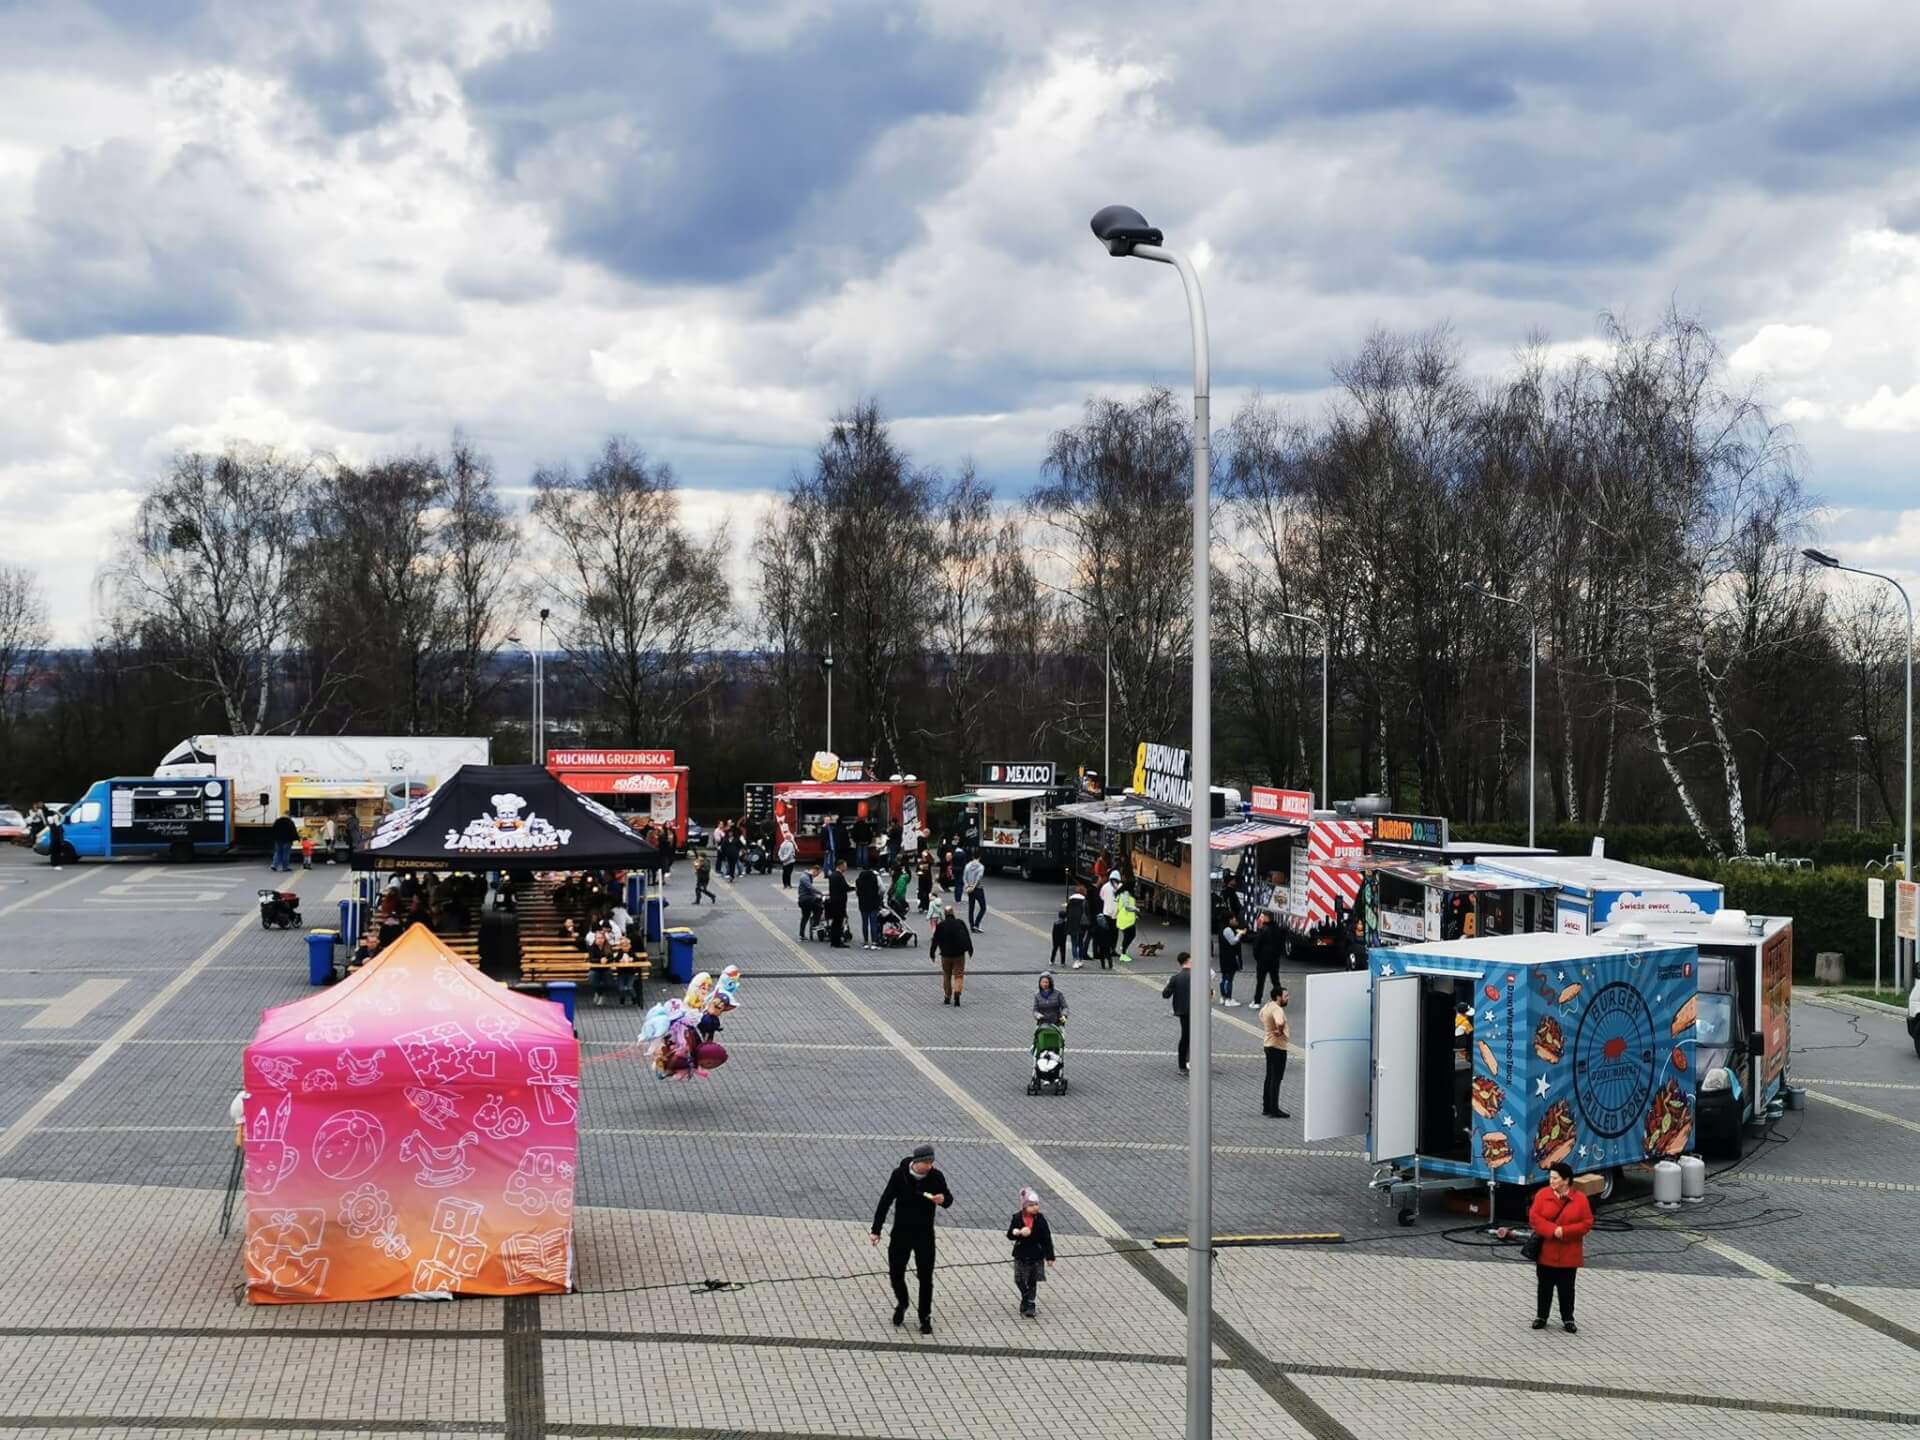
x=1363 y=1047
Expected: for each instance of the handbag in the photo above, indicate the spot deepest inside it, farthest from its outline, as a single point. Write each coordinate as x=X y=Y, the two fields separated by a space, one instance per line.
x=1531 y=1248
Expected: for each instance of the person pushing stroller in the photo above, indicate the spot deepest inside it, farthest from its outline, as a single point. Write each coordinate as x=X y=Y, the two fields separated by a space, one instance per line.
x=1049 y=1036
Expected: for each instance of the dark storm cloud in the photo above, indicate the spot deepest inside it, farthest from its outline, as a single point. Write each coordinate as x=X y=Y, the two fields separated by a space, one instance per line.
x=667 y=152
x=122 y=242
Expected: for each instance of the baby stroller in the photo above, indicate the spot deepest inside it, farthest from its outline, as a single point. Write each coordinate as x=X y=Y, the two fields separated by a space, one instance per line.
x=895 y=933
x=1049 y=1059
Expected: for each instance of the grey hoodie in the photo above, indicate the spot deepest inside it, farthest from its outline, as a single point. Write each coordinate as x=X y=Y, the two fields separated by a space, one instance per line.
x=1048 y=1003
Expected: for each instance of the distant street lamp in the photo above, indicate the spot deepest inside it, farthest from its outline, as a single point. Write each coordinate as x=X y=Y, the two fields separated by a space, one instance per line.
x=1106 y=709
x=533 y=719
x=1859 y=748
x=1820 y=557
x=1533 y=663
x=832 y=615
x=540 y=691
x=1326 y=795
x=1124 y=231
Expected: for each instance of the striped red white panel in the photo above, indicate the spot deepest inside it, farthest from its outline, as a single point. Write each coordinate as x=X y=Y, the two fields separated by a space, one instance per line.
x=1329 y=842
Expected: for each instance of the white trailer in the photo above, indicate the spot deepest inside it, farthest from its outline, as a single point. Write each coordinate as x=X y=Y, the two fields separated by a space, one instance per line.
x=275 y=775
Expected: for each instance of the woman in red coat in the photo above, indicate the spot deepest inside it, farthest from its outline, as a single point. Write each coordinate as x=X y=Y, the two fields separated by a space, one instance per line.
x=1560 y=1216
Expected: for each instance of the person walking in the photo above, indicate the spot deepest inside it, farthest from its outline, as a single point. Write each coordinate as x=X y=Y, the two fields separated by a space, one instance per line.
x=1103 y=934
x=1560 y=1217
x=861 y=833
x=789 y=852
x=867 y=890
x=897 y=894
x=703 y=878
x=56 y=837
x=1126 y=918
x=1269 y=943
x=1179 y=989
x=915 y=1191
x=1275 y=1033
x=1049 y=1005
x=926 y=881
x=306 y=848
x=667 y=849
x=1032 y=1241
x=1077 y=924
x=718 y=842
x=952 y=944
x=810 y=902
x=329 y=837
x=284 y=833
x=837 y=891
x=1230 y=935
x=976 y=887
x=1058 y=954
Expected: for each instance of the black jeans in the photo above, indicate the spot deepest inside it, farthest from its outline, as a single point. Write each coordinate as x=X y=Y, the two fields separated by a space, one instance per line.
x=1267 y=975
x=977 y=906
x=1548 y=1279
x=1186 y=1037
x=1027 y=1275
x=786 y=875
x=1276 y=1072
x=920 y=1247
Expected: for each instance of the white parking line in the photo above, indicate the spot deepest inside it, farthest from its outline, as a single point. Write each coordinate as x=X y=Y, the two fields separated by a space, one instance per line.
x=28 y=1122
x=1835 y=1100
x=1857 y=1084
x=1090 y=1210
x=42 y=894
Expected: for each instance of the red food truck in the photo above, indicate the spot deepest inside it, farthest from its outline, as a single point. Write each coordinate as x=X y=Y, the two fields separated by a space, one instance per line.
x=804 y=808
x=637 y=784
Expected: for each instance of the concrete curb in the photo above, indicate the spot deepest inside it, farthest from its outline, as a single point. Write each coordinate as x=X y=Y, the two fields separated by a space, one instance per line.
x=1851 y=1002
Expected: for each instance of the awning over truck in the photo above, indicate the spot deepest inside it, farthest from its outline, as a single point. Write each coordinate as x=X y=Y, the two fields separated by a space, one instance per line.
x=834 y=790
x=990 y=795
x=1127 y=814
x=1239 y=834
x=1435 y=876
x=336 y=790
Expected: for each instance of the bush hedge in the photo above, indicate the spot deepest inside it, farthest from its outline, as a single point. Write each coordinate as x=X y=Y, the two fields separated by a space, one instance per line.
x=1638 y=843
x=1828 y=906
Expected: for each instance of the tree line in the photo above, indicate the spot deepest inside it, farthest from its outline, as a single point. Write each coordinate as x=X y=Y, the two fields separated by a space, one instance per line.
x=1638 y=514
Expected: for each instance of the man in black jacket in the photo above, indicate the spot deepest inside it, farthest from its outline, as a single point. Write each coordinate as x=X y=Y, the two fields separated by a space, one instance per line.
x=284 y=833
x=1179 y=990
x=867 y=891
x=1269 y=945
x=914 y=1190
x=837 y=888
x=952 y=943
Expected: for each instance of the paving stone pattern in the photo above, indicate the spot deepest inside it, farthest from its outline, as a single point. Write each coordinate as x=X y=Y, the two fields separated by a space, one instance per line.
x=727 y=1286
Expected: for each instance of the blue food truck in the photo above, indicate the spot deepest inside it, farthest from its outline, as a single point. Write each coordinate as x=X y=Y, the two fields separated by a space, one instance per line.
x=1485 y=1061
x=147 y=815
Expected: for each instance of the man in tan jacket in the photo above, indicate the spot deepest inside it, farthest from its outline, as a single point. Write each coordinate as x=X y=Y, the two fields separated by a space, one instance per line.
x=1273 y=1023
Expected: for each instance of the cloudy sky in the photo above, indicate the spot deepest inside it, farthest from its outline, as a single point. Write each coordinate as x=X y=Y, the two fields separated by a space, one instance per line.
x=355 y=226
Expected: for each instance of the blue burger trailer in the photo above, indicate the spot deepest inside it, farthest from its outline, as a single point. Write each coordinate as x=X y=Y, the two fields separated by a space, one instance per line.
x=1593 y=891
x=146 y=815
x=1485 y=1061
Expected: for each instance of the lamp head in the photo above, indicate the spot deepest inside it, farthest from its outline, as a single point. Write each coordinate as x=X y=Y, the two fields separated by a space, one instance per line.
x=1820 y=557
x=1121 y=227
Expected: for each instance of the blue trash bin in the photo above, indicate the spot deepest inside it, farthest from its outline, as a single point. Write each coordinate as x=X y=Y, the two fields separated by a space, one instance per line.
x=561 y=993
x=680 y=943
x=349 y=932
x=636 y=892
x=320 y=956
x=656 y=918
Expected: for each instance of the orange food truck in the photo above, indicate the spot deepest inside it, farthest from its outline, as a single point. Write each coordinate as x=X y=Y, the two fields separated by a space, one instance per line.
x=848 y=791
x=637 y=784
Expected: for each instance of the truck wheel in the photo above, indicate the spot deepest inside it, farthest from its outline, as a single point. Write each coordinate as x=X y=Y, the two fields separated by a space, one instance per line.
x=1609 y=1182
x=1026 y=872
x=68 y=855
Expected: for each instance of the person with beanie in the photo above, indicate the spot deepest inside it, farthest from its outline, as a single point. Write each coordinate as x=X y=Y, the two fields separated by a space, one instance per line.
x=915 y=1190
x=1032 y=1241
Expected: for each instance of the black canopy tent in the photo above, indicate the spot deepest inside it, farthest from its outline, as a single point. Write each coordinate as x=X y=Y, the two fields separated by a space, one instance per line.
x=504 y=817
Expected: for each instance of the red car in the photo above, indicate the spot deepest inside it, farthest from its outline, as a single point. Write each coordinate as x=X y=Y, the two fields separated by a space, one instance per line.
x=13 y=827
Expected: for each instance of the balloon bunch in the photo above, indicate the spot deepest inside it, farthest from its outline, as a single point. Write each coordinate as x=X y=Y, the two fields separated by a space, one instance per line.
x=677 y=1036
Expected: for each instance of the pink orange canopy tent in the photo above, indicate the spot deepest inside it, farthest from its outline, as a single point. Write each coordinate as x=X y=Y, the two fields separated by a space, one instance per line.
x=411 y=1129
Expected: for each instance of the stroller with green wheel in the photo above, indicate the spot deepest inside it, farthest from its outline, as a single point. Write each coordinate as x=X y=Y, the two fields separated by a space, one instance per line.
x=1049 y=1058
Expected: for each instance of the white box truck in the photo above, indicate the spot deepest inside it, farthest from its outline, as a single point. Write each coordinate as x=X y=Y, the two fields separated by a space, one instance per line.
x=311 y=777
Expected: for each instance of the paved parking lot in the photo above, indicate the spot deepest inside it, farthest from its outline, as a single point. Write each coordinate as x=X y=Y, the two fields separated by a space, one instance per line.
x=1786 y=1306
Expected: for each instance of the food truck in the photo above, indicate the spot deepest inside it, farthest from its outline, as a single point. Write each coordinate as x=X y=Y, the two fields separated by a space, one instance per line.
x=1146 y=825
x=1253 y=851
x=849 y=791
x=1418 y=884
x=314 y=777
x=1013 y=816
x=147 y=815
x=1746 y=1001
x=1595 y=892
x=637 y=785
x=1574 y=1048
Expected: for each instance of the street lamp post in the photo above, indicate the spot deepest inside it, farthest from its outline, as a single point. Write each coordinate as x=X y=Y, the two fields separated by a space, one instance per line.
x=540 y=693
x=1820 y=557
x=832 y=615
x=1533 y=665
x=533 y=718
x=1106 y=709
x=1859 y=748
x=1326 y=795
x=1125 y=232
